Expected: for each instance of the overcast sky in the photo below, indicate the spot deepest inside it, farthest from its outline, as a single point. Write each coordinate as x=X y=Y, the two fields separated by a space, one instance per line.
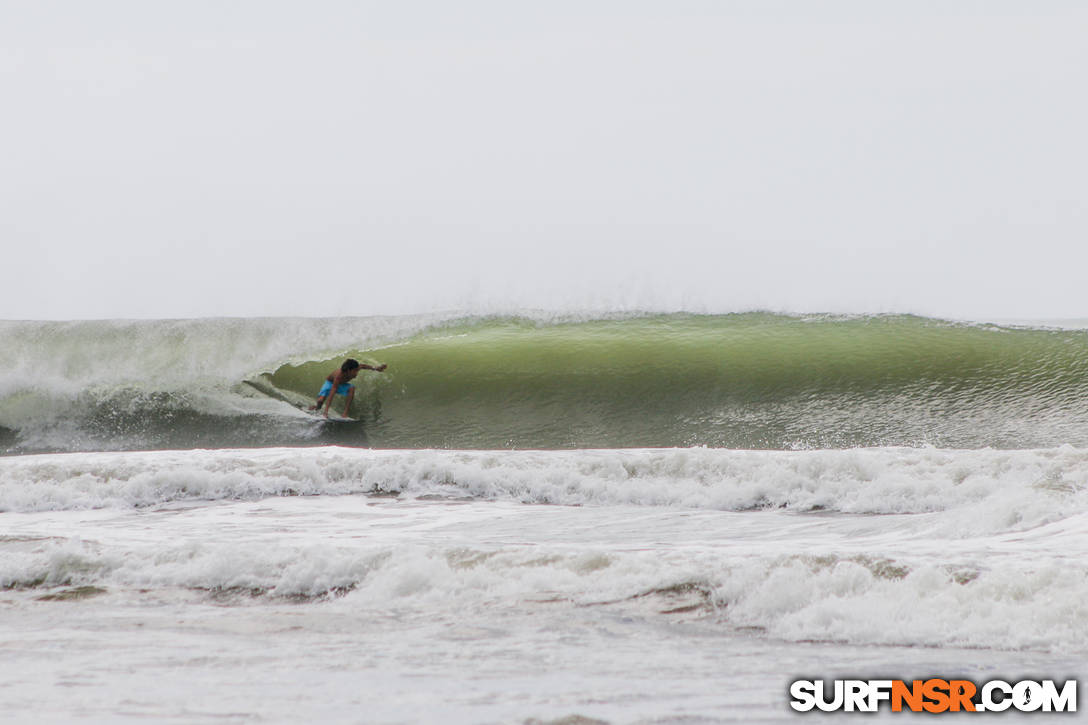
x=351 y=158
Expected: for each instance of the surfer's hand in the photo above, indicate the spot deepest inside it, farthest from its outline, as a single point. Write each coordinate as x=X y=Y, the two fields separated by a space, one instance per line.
x=381 y=367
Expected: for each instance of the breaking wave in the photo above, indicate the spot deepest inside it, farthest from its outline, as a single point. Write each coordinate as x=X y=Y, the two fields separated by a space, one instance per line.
x=751 y=380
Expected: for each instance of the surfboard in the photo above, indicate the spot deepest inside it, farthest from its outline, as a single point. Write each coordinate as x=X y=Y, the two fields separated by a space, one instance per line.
x=335 y=418
x=319 y=416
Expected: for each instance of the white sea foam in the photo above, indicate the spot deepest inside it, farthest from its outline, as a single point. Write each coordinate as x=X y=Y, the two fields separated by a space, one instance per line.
x=176 y=566
x=798 y=596
x=977 y=492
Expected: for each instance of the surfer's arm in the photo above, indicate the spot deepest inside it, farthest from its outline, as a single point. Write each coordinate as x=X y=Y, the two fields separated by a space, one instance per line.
x=378 y=369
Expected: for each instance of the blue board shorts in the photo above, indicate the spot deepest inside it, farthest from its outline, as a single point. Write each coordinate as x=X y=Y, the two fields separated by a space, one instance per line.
x=341 y=389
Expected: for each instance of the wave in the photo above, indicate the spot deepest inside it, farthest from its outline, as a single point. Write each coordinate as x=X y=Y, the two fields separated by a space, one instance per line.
x=853 y=598
x=975 y=548
x=752 y=380
x=976 y=493
x=798 y=598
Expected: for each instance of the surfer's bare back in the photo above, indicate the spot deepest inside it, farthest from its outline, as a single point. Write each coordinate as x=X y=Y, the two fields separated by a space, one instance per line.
x=339 y=383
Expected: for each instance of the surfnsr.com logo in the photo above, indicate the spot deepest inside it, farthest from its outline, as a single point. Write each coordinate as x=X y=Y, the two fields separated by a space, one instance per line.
x=933 y=695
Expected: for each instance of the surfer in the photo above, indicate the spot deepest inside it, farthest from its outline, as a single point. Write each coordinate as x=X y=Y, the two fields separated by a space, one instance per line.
x=339 y=383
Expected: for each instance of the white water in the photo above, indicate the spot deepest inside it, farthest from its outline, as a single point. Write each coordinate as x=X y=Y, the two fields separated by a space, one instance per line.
x=73 y=356
x=425 y=586
x=976 y=491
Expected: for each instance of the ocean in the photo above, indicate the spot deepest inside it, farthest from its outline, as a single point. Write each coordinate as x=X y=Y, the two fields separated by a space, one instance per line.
x=537 y=518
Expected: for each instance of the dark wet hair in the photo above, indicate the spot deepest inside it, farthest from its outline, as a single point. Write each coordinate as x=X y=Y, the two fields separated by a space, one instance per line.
x=349 y=365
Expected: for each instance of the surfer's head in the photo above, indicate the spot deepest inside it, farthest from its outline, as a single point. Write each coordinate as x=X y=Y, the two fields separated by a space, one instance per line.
x=349 y=365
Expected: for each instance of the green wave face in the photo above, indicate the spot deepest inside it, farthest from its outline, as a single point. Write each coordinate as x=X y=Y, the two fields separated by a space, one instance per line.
x=746 y=381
